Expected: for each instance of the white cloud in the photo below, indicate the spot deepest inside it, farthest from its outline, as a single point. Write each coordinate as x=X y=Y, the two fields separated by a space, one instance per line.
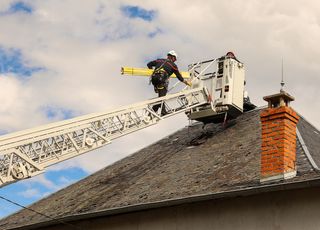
x=30 y=193
x=4 y=5
x=16 y=112
x=40 y=186
x=42 y=181
x=64 y=180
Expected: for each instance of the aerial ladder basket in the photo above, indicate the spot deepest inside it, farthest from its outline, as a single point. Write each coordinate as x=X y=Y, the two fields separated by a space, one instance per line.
x=224 y=80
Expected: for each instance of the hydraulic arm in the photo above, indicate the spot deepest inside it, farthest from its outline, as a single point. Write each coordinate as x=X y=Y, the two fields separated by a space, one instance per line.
x=27 y=153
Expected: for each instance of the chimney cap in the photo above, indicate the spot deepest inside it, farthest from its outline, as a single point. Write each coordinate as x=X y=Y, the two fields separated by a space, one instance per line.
x=280 y=99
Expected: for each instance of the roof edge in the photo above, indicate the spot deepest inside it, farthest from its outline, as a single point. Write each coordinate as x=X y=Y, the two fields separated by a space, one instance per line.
x=308 y=121
x=306 y=151
x=175 y=202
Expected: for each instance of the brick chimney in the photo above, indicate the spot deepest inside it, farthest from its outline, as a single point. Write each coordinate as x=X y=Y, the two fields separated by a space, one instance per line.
x=278 y=150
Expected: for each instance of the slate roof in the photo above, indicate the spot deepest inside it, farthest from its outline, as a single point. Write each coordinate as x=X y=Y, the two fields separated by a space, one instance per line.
x=192 y=162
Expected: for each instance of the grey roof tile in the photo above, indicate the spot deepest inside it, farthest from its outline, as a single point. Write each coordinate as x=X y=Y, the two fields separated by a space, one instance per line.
x=311 y=137
x=191 y=162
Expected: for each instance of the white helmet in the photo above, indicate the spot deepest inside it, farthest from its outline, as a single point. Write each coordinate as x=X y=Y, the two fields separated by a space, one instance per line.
x=173 y=53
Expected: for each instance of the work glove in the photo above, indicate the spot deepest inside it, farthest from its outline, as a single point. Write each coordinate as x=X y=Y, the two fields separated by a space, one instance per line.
x=187 y=83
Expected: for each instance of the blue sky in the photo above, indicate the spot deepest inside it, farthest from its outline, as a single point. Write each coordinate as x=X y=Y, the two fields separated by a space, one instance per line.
x=27 y=192
x=53 y=113
x=12 y=62
x=20 y=7
x=138 y=12
x=17 y=7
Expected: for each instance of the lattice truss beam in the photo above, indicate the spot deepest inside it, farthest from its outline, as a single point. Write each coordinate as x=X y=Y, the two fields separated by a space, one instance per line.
x=27 y=153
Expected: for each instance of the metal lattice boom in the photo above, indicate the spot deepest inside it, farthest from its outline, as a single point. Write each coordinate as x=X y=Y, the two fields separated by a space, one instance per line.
x=27 y=153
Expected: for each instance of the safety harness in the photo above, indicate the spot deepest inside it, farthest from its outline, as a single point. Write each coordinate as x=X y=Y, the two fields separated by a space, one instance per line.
x=159 y=77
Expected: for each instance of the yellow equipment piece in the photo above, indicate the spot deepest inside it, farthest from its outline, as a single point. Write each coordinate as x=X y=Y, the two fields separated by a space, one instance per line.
x=145 y=72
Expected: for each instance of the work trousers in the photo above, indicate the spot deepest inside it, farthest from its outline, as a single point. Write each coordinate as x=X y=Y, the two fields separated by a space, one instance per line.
x=161 y=93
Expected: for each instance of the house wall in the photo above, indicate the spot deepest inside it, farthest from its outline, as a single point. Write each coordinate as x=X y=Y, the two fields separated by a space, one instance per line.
x=295 y=209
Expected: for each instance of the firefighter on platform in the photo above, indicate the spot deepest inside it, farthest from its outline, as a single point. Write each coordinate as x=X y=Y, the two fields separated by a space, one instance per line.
x=163 y=69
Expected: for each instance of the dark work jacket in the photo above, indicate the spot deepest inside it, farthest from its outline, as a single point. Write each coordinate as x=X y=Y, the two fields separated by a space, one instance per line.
x=169 y=67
